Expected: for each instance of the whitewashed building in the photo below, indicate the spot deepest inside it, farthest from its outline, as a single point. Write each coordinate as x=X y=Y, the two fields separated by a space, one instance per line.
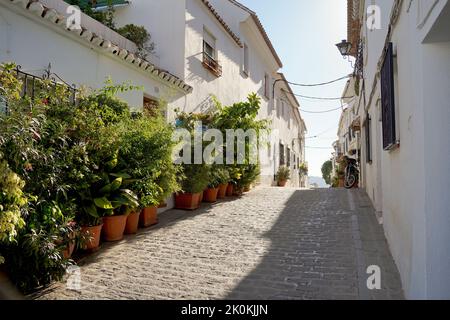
x=225 y=53
x=402 y=51
x=34 y=35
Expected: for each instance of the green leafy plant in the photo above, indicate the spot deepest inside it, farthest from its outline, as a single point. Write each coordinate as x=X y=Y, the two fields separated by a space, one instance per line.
x=140 y=36
x=303 y=169
x=12 y=200
x=283 y=174
x=327 y=169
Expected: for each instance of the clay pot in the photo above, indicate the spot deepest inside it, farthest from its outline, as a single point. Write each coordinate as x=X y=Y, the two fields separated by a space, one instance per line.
x=67 y=253
x=246 y=188
x=94 y=233
x=200 y=197
x=210 y=195
x=162 y=205
x=341 y=183
x=132 y=223
x=282 y=183
x=187 y=201
x=148 y=217
x=222 y=191
x=230 y=190
x=114 y=227
x=238 y=191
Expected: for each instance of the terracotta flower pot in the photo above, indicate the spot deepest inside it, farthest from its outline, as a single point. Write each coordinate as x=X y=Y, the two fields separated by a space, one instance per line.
x=282 y=183
x=132 y=223
x=230 y=190
x=210 y=195
x=200 y=197
x=114 y=227
x=67 y=253
x=187 y=201
x=162 y=205
x=148 y=217
x=222 y=191
x=246 y=188
x=94 y=233
x=238 y=191
x=341 y=183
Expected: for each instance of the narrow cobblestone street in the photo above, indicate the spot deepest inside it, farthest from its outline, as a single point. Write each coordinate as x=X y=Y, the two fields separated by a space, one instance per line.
x=273 y=243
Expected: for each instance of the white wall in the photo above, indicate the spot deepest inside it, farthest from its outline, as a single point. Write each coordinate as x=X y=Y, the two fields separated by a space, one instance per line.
x=165 y=21
x=410 y=184
x=33 y=43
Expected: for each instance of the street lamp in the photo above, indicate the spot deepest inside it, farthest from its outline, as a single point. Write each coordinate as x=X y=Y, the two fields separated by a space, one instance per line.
x=344 y=48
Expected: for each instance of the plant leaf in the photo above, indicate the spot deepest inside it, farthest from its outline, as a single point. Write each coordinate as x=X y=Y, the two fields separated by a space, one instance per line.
x=103 y=203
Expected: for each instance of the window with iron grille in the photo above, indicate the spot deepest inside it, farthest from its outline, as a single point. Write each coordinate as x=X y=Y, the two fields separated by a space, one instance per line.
x=368 y=139
x=282 y=159
x=288 y=157
x=267 y=86
x=388 y=100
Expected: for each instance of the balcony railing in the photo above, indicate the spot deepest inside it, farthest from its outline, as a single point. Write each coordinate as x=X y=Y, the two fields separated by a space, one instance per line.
x=212 y=65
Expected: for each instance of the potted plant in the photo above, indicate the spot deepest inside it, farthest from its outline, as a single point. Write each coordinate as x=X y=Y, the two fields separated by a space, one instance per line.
x=193 y=181
x=223 y=177
x=107 y=199
x=149 y=193
x=283 y=175
x=217 y=177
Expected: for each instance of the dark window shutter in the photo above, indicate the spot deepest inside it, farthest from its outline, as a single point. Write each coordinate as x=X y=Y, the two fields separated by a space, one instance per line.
x=388 y=99
x=368 y=138
x=282 y=160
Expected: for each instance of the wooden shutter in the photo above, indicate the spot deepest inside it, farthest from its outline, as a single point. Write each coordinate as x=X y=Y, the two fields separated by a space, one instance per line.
x=368 y=139
x=388 y=100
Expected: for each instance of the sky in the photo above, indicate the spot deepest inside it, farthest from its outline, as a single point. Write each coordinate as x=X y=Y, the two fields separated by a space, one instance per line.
x=304 y=34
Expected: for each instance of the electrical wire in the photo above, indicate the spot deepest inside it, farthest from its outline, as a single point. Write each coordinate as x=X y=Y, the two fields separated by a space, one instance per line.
x=325 y=111
x=322 y=148
x=319 y=84
x=320 y=98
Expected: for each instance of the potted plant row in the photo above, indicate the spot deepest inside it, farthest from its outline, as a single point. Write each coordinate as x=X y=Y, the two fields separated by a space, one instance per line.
x=282 y=176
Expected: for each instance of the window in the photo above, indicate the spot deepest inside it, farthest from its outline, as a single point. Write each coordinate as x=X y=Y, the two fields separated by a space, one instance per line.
x=245 y=67
x=151 y=106
x=267 y=86
x=295 y=162
x=209 y=44
x=368 y=139
x=288 y=157
x=282 y=160
x=289 y=117
x=210 y=61
x=388 y=100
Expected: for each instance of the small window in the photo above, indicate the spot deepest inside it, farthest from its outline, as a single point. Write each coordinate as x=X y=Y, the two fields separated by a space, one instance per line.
x=245 y=67
x=368 y=139
x=282 y=159
x=209 y=44
x=267 y=86
x=388 y=100
x=288 y=157
x=151 y=106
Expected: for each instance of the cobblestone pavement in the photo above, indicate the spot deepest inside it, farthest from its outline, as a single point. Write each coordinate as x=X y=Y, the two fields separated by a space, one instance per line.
x=273 y=243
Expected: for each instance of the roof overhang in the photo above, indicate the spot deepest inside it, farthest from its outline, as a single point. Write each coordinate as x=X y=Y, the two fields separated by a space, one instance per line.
x=41 y=11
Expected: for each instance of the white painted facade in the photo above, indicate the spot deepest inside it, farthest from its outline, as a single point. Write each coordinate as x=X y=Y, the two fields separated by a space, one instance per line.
x=234 y=84
x=34 y=42
x=410 y=184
